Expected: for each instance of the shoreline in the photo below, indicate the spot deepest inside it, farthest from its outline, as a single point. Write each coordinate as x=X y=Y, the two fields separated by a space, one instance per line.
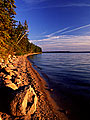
x=46 y=92
x=18 y=75
x=75 y=105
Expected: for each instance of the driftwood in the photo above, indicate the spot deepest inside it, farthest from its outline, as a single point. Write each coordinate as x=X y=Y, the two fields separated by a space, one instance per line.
x=22 y=37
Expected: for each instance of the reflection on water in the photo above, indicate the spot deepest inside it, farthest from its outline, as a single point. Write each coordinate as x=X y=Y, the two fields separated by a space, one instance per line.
x=69 y=76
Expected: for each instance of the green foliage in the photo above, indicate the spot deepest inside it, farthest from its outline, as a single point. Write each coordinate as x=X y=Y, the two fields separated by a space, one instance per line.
x=13 y=38
x=6 y=18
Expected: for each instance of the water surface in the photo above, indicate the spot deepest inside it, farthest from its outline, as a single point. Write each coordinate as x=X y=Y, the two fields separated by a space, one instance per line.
x=69 y=75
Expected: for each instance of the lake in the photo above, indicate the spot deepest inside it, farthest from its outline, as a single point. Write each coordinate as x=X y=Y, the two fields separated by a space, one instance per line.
x=68 y=74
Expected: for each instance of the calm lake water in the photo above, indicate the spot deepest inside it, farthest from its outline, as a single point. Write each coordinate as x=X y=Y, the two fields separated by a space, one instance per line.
x=69 y=76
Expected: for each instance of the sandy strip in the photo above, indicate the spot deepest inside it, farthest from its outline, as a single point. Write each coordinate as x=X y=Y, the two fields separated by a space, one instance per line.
x=25 y=74
x=47 y=108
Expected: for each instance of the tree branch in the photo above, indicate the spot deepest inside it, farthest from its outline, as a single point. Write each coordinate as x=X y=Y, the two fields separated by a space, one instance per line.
x=22 y=37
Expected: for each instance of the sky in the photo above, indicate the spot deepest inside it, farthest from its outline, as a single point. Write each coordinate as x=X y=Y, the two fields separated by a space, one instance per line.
x=56 y=24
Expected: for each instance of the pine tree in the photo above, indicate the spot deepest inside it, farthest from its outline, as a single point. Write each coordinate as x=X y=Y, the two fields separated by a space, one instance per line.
x=6 y=23
x=6 y=18
x=13 y=38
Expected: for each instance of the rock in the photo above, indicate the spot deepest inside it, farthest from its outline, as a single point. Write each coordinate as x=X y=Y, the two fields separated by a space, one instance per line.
x=11 y=66
x=12 y=74
x=20 y=102
x=9 y=56
x=51 y=90
x=8 y=77
x=24 y=102
x=4 y=116
x=7 y=81
x=8 y=69
x=1 y=60
x=0 y=118
x=3 y=65
x=15 y=72
x=9 y=84
x=14 y=56
x=7 y=61
x=12 y=85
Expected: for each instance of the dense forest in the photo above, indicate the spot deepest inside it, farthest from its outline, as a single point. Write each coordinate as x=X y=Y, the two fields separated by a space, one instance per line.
x=13 y=35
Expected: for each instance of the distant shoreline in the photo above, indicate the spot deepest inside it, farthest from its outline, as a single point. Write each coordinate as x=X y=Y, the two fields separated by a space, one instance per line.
x=66 y=52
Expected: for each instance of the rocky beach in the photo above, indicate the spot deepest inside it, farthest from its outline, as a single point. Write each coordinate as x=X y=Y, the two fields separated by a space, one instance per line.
x=24 y=94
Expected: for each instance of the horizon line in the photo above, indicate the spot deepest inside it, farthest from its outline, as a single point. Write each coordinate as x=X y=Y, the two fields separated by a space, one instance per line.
x=65 y=51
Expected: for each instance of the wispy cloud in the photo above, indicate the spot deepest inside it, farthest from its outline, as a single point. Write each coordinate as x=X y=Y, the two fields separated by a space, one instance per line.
x=62 y=38
x=62 y=34
x=59 y=31
x=54 y=6
x=75 y=29
x=66 y=42
x=39 y=36
x=64 y=31
x=43 y=33
x=76 y=5
x=35 y=5
x=34 y=1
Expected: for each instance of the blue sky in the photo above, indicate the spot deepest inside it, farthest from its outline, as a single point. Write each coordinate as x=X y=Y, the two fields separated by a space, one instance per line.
x=57 y=24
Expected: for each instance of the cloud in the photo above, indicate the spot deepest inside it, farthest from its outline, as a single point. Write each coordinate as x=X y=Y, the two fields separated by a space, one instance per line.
x=54 y=6
x=76 y=5
x=34 y=1
x=43 y=33
x=64 y=31
x=35 y=4
x=40 y=35
x=66 y=42
x=78 y=28
x=59 y=31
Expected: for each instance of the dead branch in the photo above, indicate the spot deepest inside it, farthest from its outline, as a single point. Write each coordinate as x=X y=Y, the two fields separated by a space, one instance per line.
x=22 y=37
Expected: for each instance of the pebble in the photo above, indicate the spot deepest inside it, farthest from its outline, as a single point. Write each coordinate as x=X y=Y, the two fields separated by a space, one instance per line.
x=18 y=69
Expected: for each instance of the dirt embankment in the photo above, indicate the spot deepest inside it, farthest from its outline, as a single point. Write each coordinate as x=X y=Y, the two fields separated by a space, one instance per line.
x=24 y=95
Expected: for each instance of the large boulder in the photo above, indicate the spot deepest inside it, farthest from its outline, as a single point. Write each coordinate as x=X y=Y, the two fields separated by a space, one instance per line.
x=24 y=102
x=18 y=103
